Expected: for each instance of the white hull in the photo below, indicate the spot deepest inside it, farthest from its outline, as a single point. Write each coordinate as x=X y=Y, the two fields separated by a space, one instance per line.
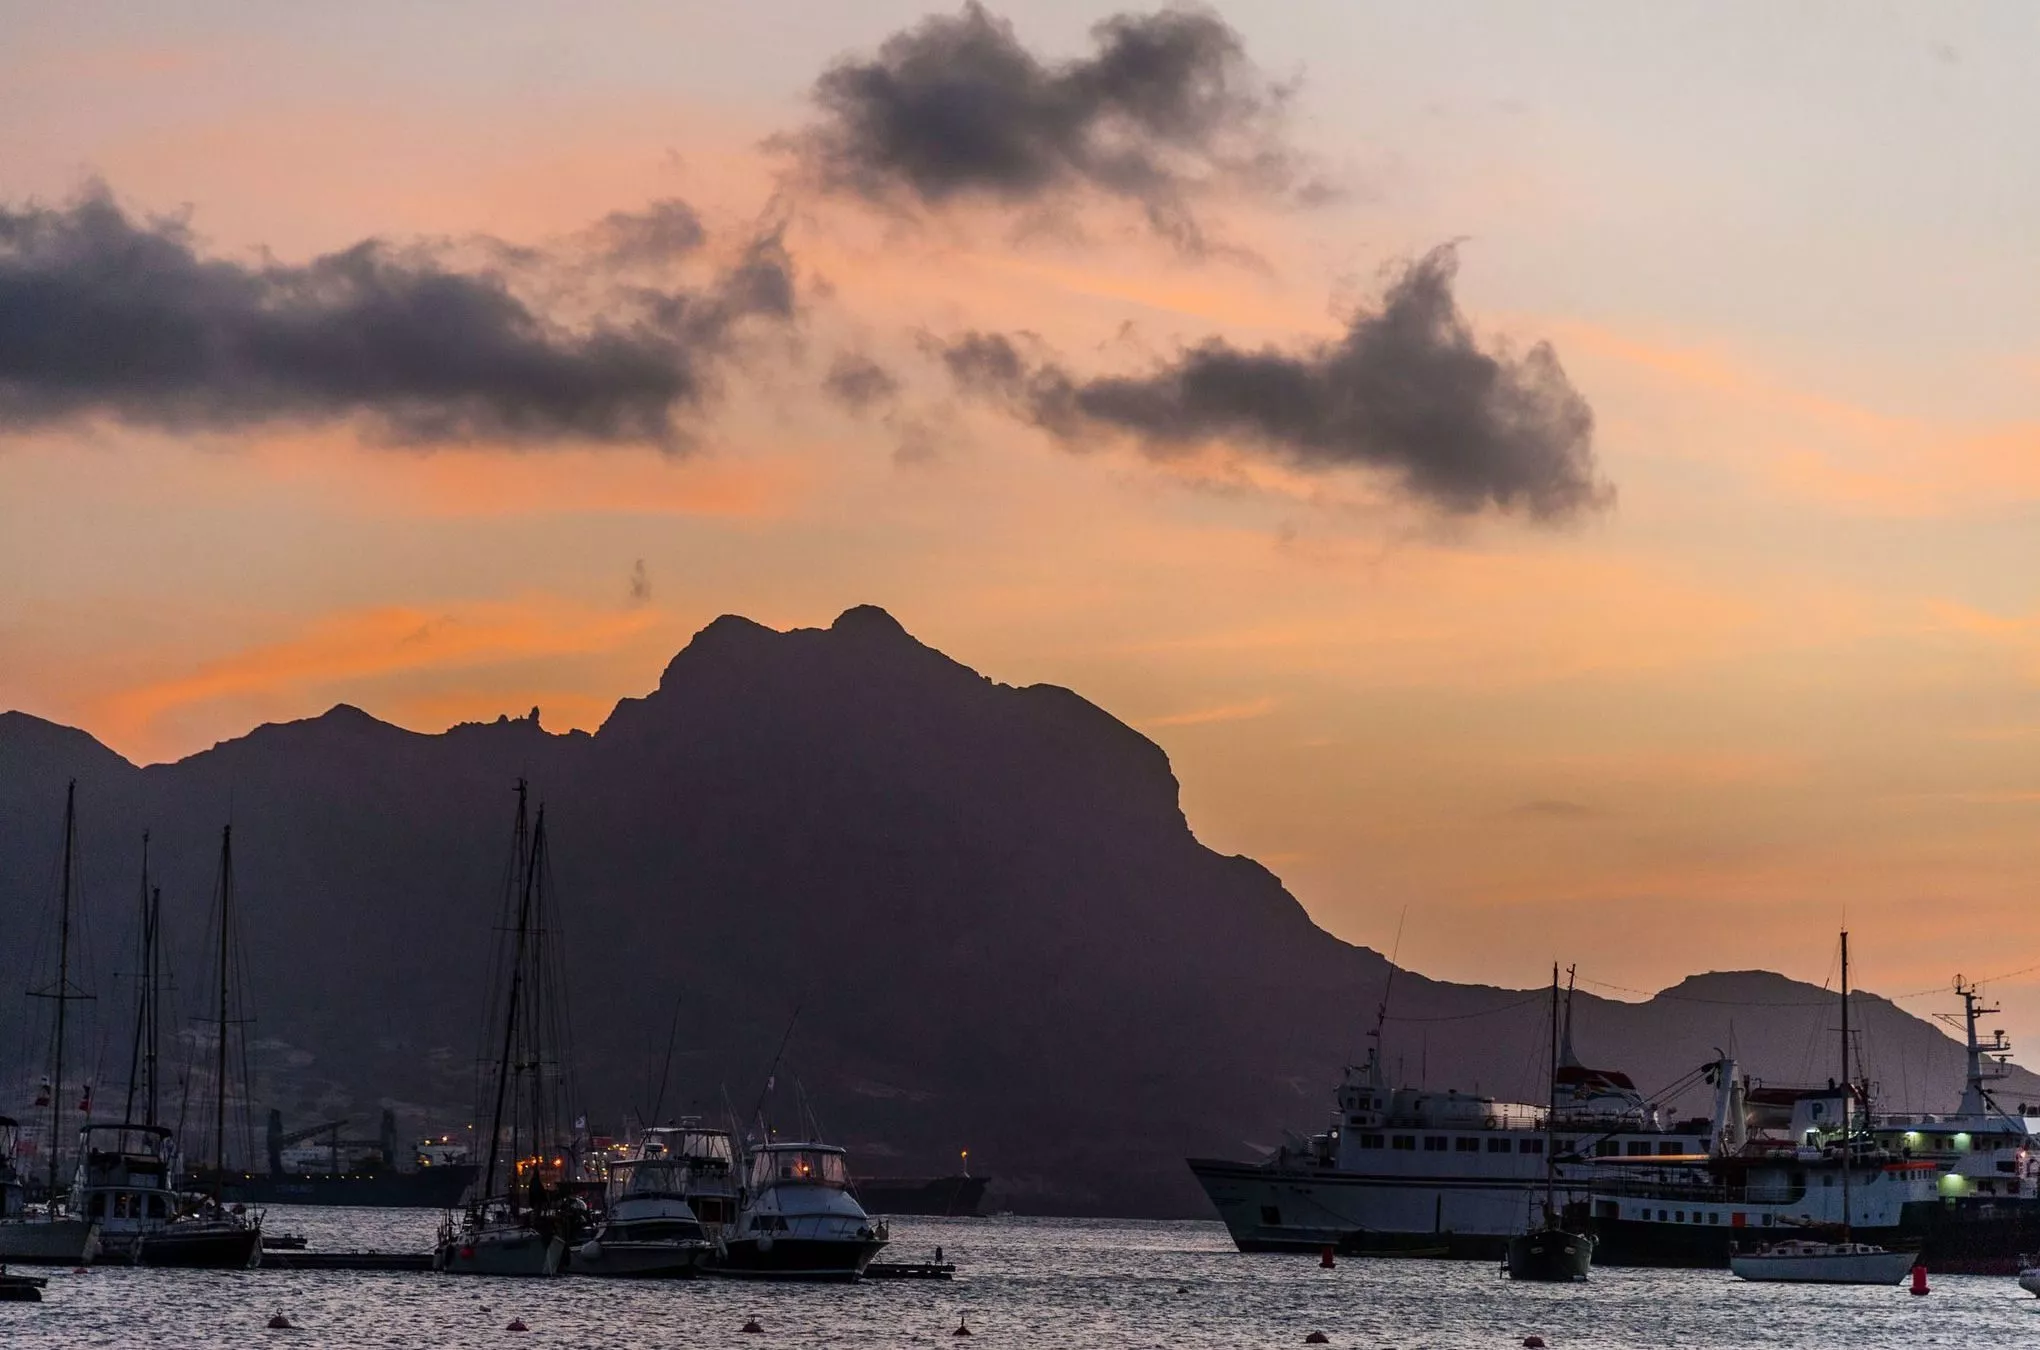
x=1875 y=1267
x=500 y=1251
x=49 y=1242
x=1304 y=1211
x=2029 y=1280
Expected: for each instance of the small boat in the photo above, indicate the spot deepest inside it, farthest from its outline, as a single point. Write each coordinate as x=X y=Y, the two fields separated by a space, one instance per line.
x=649 y=1230
x=1551 y=1253
x=2029 y=1276
x=798 y=1220
x=1809 y=1262
x=1805 y=1260
x=21 y=1288
x=496 y=1238
x=517 y=1222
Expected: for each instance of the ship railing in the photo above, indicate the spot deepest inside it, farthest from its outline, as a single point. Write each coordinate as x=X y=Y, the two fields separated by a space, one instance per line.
x=1640 y=1188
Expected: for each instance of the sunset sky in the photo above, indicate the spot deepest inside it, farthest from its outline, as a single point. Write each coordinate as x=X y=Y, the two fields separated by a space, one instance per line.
x=1164 y=401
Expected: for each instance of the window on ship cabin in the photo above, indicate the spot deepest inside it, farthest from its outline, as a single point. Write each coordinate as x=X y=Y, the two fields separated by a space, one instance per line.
x=1670 y=1150
x=1466 y=1144
x=1498 y=1146
x=1639 y=1148
x=1434 y=1143
x=1403 y=1141
x=1371 y=1141
x=1607 y=1148
x=1535 y=1145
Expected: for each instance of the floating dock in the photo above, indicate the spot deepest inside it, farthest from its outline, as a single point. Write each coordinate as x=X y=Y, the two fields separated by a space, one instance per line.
x=304 y=1260
x=909 y=1270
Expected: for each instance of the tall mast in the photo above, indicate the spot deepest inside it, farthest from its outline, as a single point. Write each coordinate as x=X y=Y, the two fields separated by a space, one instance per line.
x=220 y=1068
x=154 y=976
x=1551 y=1100
x=523 y=883
x=535 y=1008
x=1848 y=1090
x=63 y=978
x=136 y=1048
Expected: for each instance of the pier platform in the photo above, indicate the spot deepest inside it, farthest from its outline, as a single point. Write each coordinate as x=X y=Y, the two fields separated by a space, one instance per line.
x=909 y=1270
x=306 y=1260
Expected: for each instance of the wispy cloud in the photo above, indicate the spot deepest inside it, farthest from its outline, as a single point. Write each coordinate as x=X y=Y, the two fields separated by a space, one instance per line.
x=1224 y=712
x=357 y=645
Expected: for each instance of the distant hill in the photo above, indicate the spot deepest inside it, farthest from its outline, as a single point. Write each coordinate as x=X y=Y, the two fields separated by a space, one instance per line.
x=984 y=901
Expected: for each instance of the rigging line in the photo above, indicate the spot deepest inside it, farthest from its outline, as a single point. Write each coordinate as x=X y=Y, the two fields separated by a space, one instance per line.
x=1462 y=1017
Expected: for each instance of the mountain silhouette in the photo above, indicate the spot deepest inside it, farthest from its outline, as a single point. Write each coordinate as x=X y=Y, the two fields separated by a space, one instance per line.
x=974 y=913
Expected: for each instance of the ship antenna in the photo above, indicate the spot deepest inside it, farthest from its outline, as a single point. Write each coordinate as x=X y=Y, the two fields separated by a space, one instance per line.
x=672 y=1035
x=772 y=1074
x=1387 y=986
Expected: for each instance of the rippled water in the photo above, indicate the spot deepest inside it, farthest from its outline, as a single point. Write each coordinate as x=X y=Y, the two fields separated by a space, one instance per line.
x=1023 y=1283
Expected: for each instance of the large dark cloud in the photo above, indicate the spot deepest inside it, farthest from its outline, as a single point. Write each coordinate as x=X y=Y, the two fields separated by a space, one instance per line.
x=1407 y=391
x=105 y=314
x=1166 y=108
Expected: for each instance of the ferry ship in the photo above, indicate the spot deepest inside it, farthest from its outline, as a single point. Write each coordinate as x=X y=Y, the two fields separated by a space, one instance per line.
x=1411 y=1172
x=1962 y=1188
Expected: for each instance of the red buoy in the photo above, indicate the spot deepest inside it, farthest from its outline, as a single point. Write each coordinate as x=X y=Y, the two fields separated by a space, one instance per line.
x=280 y=1323
x=1325 y=1257
x=1919 y=1284
x=753 y=1327
x=517 y=1324
x=1533 y=1343
x=961 y=1329
x=1317 y=1338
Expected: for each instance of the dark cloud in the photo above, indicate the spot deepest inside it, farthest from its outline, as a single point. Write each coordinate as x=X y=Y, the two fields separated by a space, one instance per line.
x=658 y=232
x=859 y=383
x=105 y=314
x=1166 y=108
x=1407 y=391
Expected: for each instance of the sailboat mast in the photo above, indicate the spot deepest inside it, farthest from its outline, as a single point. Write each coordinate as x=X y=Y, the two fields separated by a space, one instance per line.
x=220 y=1068
x=542 y=1122
x=63 y=978
x=1848 y=1091
x=136 y=1043
x=1551 y=1101
x=523 y=883
x=154 y=977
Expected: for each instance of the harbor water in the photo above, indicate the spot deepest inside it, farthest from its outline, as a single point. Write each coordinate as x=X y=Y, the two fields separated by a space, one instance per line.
x=1020 y=1282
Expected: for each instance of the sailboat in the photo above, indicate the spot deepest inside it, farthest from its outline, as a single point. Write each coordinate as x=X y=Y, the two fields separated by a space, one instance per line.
x=1551 y=1252
x=1806 y=1260
x=54 y=1236
x=127 y=1168
x=510 y=1225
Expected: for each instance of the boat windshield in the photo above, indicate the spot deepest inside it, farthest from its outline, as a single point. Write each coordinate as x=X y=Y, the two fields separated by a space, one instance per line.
x=813 y=1167
x=653 y=1176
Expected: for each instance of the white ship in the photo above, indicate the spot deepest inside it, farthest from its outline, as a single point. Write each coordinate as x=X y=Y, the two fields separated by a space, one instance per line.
x=1402 y=1170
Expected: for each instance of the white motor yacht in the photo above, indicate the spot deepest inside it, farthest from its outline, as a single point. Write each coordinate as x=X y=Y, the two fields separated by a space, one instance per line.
x=797 y=1220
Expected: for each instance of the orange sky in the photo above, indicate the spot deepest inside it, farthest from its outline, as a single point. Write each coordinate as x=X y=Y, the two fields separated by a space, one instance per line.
x=1788 y=680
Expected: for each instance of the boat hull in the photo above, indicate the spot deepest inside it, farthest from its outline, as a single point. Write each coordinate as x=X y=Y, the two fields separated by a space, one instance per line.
x=1550 y=1255
x=798 y=1258
x=201 y=1247
x=1824 y=1268
x=49 y=1242
x=1360 y=1214
x=639 y=1260
x=526 y=1253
